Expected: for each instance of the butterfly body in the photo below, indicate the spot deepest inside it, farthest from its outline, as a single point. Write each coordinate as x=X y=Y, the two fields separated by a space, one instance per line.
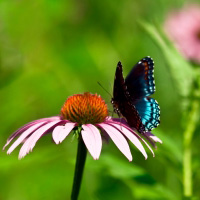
x=131 y=96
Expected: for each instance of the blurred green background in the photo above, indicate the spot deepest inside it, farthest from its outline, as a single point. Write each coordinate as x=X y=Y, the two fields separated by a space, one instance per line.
x=50 y=50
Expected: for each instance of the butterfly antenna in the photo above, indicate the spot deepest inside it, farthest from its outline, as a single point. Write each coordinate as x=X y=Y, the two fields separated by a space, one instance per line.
x=104 y=88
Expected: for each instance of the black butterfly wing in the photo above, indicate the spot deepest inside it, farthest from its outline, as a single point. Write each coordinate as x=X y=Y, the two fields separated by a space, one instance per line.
x=122 y=102
x=130 y=113
x=140 y=80
x=119 y=85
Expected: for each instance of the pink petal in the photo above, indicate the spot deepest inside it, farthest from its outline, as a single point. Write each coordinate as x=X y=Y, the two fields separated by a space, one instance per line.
x=28 y=125
x=153 y=137
x=61 y=132
x=121 y=124
x=132 y=138
x=56 y=133
x=156 y=139
x=118 y=139
x=148 y=146
x=23 y=136
x=92 y=140
x=17 y=133
x=31 y=141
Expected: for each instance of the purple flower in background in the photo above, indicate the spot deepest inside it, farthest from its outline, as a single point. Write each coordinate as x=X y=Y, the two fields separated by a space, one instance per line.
x=89 y=113
x=183 y=28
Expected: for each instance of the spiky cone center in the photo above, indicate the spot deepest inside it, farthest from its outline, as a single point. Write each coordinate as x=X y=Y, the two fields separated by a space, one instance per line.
x=85 y=108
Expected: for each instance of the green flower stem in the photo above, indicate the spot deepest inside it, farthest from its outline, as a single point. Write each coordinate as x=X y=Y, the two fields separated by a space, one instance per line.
x=80 y=163
x=187 y=144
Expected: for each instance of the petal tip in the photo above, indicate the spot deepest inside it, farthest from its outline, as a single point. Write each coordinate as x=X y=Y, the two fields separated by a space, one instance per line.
x=20 y=157
x=130 y=158
x=4 y=148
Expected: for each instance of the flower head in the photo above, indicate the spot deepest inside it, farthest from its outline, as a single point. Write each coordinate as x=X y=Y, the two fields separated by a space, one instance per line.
x=90 y=113
x=86 y=108
x=183 y=28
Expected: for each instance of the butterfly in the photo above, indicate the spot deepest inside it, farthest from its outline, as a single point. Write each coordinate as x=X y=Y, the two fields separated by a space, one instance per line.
x=131 y=96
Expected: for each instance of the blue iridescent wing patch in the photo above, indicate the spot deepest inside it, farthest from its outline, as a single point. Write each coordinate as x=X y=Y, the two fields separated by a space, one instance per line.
x=149 y=112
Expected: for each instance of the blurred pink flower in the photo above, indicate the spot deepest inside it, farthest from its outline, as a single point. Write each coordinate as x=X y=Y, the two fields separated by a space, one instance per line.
x=183 y=28
x=90 y=113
